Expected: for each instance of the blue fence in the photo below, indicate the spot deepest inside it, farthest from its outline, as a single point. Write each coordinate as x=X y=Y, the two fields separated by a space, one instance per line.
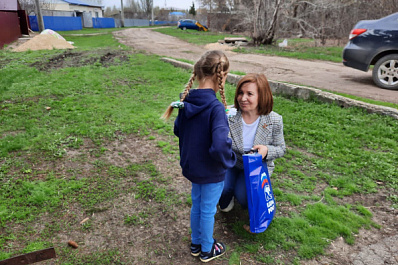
x=103 y=22
x=164 y=23
x=57 y=23
x=75 y=23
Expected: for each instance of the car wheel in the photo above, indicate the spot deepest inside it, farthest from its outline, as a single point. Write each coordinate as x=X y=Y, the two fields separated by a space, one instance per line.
x=184 y=28
x=385 y=72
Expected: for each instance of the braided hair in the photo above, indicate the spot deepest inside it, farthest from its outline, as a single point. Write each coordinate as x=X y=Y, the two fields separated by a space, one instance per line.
x=212 y=64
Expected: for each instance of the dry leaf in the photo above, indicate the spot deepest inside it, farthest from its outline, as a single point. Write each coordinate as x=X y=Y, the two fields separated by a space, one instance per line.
x=84 y=220
x=72 y=244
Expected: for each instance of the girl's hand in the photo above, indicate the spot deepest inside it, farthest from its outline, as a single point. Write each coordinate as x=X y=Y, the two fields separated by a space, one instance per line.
x=261 y=149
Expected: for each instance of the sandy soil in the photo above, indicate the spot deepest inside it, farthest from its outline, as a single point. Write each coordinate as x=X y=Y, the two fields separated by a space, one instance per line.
x=324 y=75
x=43 y=42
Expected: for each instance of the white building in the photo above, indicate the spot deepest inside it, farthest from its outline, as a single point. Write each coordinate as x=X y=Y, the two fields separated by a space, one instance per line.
x=73 y=8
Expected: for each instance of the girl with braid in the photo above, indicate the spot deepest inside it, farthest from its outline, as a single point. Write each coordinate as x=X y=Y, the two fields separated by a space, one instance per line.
x=205 y=149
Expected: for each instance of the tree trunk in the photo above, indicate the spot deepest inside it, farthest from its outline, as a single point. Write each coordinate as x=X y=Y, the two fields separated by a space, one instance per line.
x=269 y=35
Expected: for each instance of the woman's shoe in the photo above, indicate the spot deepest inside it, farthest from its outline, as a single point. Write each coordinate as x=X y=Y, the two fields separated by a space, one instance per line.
x=229 y=207
x=216 y=251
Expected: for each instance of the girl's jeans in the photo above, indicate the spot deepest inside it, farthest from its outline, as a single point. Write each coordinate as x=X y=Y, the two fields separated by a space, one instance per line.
x=204 y=206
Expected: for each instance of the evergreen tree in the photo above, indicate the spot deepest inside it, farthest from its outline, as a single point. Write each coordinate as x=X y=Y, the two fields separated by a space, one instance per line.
x=192 y=10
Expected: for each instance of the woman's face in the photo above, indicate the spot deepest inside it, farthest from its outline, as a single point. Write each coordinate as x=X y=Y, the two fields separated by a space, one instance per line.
x=248 y=97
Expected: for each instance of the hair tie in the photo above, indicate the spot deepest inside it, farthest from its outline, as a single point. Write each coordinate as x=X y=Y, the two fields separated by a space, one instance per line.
x=177 y=105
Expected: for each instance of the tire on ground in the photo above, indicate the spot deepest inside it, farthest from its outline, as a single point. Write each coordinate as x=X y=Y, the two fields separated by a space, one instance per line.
x=385 y=72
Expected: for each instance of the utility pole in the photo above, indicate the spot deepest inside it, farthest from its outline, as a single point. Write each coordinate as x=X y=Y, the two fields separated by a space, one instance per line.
x=39 y=16
x=122 y=13
x=153 y=22
x=211 y=13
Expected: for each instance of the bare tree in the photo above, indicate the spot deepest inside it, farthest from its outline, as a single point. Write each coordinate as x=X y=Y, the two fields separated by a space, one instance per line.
x=232 y=4
x=266 y=20
x=218 y=12
x=146 y=6
x=326 y=19
x=28 y=5
x=260 y=18
x=310 y=17
x=108 y=12
x=216 y=5
x=133 y=6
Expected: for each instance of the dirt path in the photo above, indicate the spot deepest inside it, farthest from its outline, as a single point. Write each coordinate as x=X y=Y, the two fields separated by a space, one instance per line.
x=323 y=75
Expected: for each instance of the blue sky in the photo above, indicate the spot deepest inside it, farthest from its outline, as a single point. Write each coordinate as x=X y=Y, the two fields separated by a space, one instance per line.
x=161 y=3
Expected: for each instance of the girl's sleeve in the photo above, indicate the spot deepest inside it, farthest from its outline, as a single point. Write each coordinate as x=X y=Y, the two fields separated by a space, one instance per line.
x=221 y=146
x=176 y=127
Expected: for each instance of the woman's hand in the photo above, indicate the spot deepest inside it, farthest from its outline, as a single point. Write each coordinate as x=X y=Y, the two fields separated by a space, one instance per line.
x=261 y=149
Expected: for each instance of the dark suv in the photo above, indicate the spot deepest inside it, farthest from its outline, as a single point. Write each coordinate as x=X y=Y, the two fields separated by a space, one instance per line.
x=375 y=42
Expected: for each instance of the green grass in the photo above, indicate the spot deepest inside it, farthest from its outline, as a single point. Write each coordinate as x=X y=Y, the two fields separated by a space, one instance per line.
x=89 y=96
x=91 y=31
x=194 y=36
x=308 y=233
x=104 y=39
x=333 y=154
x=299 y=49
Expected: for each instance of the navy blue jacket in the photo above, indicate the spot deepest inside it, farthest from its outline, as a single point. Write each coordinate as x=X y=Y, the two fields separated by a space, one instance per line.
x=202 y=127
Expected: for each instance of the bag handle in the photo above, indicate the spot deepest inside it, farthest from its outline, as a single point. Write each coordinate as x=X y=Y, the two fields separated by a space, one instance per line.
x=251 y=151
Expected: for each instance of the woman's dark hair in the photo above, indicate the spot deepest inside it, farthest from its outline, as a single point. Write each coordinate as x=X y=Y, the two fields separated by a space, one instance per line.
x=265 y=99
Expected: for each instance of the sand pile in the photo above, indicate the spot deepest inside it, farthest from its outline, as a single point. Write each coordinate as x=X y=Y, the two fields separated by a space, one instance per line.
x=44 y=42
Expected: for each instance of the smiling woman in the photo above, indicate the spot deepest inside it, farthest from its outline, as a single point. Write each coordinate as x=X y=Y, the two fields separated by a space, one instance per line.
x=248 y=100
x=255 y=126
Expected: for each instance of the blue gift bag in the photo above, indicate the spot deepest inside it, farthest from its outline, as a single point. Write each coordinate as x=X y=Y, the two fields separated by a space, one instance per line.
x=260 y=198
